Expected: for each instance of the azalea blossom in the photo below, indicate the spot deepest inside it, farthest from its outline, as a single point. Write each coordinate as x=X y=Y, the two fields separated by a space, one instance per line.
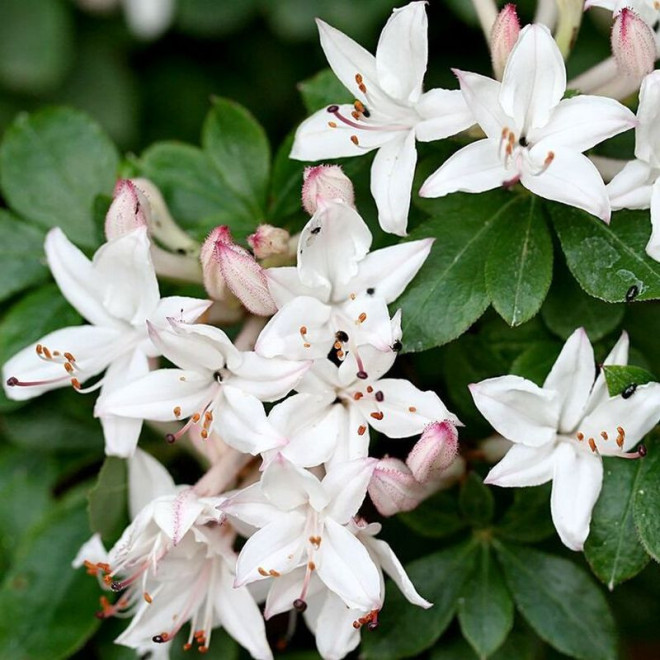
x=637 y=186
x=562 y=430
x=116 y=292
x=389 y=113
x=338 y=292
x=216 y=386
x=533 y=136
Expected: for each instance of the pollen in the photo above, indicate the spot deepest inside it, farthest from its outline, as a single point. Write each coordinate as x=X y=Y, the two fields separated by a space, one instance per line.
x=362 y=318
x=412 y=409
x=592 y=445
x=332 y=124
x=262 y=571
x=580 y=436
x=147 y=597
x=362 y=429
x=603 y=435
x=355 y=141
x=177 y=411
x=377 y=415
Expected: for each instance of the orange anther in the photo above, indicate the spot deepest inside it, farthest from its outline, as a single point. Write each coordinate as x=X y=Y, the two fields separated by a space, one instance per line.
x=262 y=571
x=332 y=124
x=39 y=349
x=76 y=383
x=273 y=573
x=362 y=318
x=69 y=357
x=358 y=78
x=311 y=565
x=357 y=396
x=592 y=445
x=603 y=435
x=354 y=140
x=196 y=417
x=362 y=430
x=177 y=411
x=580 y=436
x=370 y=389
x=412 y=409
x=147 y=597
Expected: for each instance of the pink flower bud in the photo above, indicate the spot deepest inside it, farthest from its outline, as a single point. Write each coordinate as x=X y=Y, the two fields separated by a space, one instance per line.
x=434 y=452
x=225 y=264
x=393 y=487
x=268 y=241
x=503 y=37
x=633 y=44
x=323 y=184
x=128 y=211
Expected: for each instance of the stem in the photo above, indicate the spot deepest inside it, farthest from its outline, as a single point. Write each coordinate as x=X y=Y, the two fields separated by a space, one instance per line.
x=487 y=13
x=568 y=24
x=546 y=13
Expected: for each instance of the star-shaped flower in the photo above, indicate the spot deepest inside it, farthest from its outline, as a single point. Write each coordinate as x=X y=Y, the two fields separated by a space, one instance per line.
x=533 y=136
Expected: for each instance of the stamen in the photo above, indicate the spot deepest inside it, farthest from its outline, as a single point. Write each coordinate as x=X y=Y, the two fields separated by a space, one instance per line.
x=603 y=435
x=362 y=318
x=412 y=409
x=357 y=396
x=355 y=141
x=379 y=396
x=580 y=436
x=370 y=389
x=299 y=604
x=377 y=415
x=147 y=597
x=303 y=334
x=620 y=438
x=640 y=453
x=362 y=429
x=592 y=446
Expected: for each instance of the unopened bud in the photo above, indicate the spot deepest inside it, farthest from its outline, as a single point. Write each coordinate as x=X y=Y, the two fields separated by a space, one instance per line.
x=224 y=263
x=633 y=44
x=269 y=241
x=434 y=452
x=393 y=487
x=323 y=184
x=127 y=212
x=503 y=37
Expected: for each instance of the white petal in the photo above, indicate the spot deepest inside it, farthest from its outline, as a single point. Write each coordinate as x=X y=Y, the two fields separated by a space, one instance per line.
x=475 y=168
x=288 y=486
x=149 y=18
x=534 y=79
x=572 y=376
x=576 y=484
x=91 y=550
x=518 y=409
x=147 y=480
x=647 y=139
x=252 y=506
x=631 y=188
x=374 y=329
x=653 y=246
x=284 y=591
x=524 y=466
x=375 y=362
x=445 y=113
x=572 y=179
x=391 y=182
x=618 y=355
x=402 y=52
x=175 y=516
x=336 y=636
x=181 y=308
x=346 y=486
x=350 y=443
x=284 y=285
x=268 y=379
x=481 y=94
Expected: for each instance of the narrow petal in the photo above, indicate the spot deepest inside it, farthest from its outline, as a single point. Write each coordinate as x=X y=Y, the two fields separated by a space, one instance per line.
x=289 y=487
x=653 y=246
x=647 y=139
x=366 y=320
x=576 y=484
x=572 y=179
x=534 y=79
x=251 y=506
x=518 y=409
x=391 y=182
x=572 y=377
x=475 y=168
x=176 y=515
x=91 y=550
x=481 y=94
x=335 y=634
x=351 y=444
x=268 y=379
x=402 y=52
x=284 y=591
x=181 y=308
x=284 y=285
x=632 y=187
x=147 y=480
x=444 y=113
x=346 y=486
x=523 y=466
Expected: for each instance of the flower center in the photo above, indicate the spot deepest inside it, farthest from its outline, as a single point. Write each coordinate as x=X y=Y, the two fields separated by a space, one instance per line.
x=514 y=151
x=597 y=446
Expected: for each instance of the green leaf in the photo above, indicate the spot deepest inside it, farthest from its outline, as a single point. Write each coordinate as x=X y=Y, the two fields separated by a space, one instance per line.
x=405 y=629
x=519 y=263
x=53 y=163
x=613 y=549
x=108 y=499
x=435 y=517
x=535 y=362
x=323 y=89
x=286 y=183
x=620 y=378
x=646 y=501
x=51 y=604
x=528 y=519
x=222 y=647
x=518 y=646
x=22 y=262
x=238 y=147
x=449 y=293
x=609 y=262
x=485 y=609
x=560 y=602
x=476 y=501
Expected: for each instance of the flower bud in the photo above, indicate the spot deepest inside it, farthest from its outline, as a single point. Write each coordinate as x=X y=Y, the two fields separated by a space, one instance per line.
x=503 y=37
x=268 y=241
x=225 y=264
x=393 y=487
x=323 y=184
x=633 y=44
x=434 y=452
x=128 y=211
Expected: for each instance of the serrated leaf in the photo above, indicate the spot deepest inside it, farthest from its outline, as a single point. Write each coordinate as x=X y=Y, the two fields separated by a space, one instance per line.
x=42 y=587
x=560 y=602
x=238 y=148
x=646 y=501
x=405 y=629
x=485 y=609
x=449 y=292
x=519 y=263
x=623 y=379
x=108 y=499
x=476 y=501
x=609 y=262
x=53 y=164
x=613 y=549
x=323 y=89
x=528 y=519
x=435 y=517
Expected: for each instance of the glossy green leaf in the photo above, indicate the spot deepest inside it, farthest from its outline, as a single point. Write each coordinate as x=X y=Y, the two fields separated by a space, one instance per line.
x=646 y=500
x=518 y=646
x=613 y=549
x=560 y=602
x=323 y=89
x=222 y=647
x=108 y=500
x=485 y=609
x=528 y=519
x=238 y=148
x=535 y=362
x=476 y=501
x=609 y=262
x=622 y=379
x=53 y=164
x=435 y=517
x=405 y=629
x=519 y=263
x=52 y=605
x=449 y=293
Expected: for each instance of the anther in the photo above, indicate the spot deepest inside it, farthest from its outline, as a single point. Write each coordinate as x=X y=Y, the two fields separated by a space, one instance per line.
x=12 y=381
x=357 y=396
x=76 y=384
x=147 y=597
x=273 y=573
x=603 y=435
x=262 y=571
x=362 y=318
x=160 y=639
x=333 y=108
x=377 y=415
x=412 y=409
x=299 y=605
x=170 y=438
x=362 y=375
x=340 y=335
x=379 y=396
x=592 y=445
x=362 y=429
x=177 y=411
x=311 y=566
x=332 y=124
x=397 y=346
x=69 y=357
x=355 y=141
x=580 y=436
x=116 y=586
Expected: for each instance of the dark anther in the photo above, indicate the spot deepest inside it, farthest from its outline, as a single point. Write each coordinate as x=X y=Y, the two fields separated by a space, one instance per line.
x=523 y=141
x=316 y=230
x=217 y=376
x=170 y=438
x=366 y=112
x=333 y=108
x=340 y=335
x=632 y=293
x=116 y=586
x=299 y=604
x=641 y=450
x=629 y=390
x=397 y=346
x=371 y=291
x=379 y=396
x=158 y=639
x=181 y=251
x=362 y=375
x=372 y=625
x=11 y=381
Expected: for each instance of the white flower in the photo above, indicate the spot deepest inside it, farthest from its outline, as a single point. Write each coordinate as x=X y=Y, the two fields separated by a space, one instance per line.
x=389 y=113
x=339 y=292
x=217 y=386
x=533 y=136
x=116 y=292
x=561 y=430
x=637 y=186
